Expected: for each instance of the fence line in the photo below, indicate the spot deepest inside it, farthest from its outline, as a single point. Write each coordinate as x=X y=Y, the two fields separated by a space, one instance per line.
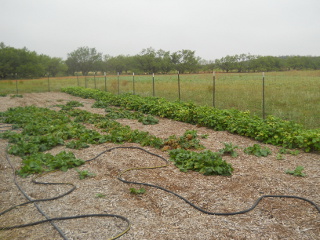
x=289 y=95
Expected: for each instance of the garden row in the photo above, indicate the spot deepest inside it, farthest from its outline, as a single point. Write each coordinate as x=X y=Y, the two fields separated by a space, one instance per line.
x=272 y=130
x=36 y=130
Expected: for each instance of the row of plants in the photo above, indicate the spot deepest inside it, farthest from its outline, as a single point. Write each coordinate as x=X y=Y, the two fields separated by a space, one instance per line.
x=36 y=130
x=271 y=130
x=40 y=129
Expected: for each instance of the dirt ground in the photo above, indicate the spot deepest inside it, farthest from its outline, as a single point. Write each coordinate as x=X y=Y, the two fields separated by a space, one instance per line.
x=157 y=214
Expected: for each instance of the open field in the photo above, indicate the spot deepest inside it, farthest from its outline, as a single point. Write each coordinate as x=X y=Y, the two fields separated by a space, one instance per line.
x=157 y=214
x=290 y=95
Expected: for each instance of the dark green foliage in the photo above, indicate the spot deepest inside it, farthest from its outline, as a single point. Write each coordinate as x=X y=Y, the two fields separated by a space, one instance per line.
x=40 y=162
x=207 y=162
x=272 y=130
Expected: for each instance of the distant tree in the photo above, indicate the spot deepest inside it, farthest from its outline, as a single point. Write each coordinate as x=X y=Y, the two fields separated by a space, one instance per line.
x=84 y=59
x=227 y=63
x=185 y=61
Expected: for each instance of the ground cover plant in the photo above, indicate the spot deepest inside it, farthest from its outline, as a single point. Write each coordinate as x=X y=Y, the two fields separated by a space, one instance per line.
x=43 y=129
x=272 y=130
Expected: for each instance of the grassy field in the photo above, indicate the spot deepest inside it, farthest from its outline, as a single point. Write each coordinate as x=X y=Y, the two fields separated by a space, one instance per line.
x=290 y=95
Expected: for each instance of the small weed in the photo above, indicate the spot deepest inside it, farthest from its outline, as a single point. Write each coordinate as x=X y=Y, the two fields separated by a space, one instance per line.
x=280 y=156
x=137 y=191
x=84 y=174
x=100 y=195
x=3 y=94
x=204 y=136
x=297 y=172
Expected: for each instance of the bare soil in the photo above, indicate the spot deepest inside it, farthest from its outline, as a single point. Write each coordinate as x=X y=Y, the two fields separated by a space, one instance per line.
x=157 y=214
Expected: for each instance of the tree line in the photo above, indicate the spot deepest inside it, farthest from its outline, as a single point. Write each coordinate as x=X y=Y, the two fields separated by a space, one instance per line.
x=22 y=63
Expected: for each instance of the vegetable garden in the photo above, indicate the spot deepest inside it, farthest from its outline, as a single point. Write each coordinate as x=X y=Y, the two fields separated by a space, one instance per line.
x=219 y=160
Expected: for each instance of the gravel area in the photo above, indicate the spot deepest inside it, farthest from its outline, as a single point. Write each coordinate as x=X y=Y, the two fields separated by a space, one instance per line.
x=157 y=214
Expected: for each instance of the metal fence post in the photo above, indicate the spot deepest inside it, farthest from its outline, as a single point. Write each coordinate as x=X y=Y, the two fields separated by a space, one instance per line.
x=94 y=79
x=214 y=89
x=118 y=83
x=179 y=93
x=263 y=97
x=105 y=81
x=48 y=82
x=133 y=86
x=153 y=92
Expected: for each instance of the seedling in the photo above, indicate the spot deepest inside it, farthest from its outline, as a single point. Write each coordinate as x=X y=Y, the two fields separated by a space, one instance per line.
x=84 y=174
x=297 y=172
x=100 y=195
x=137 y=191
x=280 y=156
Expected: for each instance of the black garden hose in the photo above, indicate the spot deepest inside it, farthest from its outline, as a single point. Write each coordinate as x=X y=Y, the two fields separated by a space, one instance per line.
x=51 y=220
x=190 y=203
x=144 y=184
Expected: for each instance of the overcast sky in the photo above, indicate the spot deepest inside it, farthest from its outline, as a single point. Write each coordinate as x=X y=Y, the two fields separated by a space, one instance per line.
x=212 y=28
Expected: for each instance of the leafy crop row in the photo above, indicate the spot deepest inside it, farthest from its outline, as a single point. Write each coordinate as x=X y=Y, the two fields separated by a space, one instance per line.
x=272 y=130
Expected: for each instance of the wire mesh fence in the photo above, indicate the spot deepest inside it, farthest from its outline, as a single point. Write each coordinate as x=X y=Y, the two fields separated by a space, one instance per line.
x=293 y=95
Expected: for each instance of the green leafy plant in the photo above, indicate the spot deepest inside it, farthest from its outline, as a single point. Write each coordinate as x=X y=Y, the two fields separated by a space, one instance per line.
x=77 y=144
x=204 y=136
x=84 y=174
x=288 y=151
x=3 y=94
x=280 y=156
x=40 y=162
x=297 y=172
x=271 y=130
x=137 y=191
x=258 y=151
x=206 y=162
x=229 y=149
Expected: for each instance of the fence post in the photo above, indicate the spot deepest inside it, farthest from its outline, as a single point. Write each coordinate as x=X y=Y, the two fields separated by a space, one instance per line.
x=94 y=79
x=48 y=82
x=263 y=98
x=78 y=80
x=214 y=89
x=118 y=83
x=179 y=93
x=17 y=90
x=105 y=81
x=153 y=92
x=133 y=87
x=85 y=81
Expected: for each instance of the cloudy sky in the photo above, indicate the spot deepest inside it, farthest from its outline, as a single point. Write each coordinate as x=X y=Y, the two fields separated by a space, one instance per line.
x=212 y=28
